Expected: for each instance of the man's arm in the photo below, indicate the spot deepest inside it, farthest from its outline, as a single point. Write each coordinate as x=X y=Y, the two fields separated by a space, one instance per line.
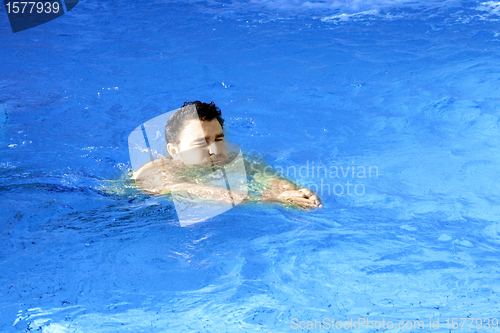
x=208 y=192
x=158 y=177
x=285 y=191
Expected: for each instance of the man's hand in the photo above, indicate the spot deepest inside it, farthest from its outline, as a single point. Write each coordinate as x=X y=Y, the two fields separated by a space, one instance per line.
x=304 y=198
x=285 y=191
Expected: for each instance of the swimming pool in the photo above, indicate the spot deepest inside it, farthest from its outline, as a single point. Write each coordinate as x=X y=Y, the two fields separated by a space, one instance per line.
x=408 y=91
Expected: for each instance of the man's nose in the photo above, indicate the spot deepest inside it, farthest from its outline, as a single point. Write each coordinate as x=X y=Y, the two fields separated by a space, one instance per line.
x=213 y=149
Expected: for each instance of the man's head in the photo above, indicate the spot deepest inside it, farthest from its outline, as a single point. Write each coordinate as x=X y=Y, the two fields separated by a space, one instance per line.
x=194 y=134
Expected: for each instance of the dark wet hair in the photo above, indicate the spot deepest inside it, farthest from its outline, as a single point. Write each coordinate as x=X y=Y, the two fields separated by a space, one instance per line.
x=189 y=111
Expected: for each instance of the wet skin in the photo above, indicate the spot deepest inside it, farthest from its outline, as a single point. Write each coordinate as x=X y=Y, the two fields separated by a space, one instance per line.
x=202 y=144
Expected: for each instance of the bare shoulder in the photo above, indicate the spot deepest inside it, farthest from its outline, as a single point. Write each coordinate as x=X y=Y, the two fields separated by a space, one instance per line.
x=150 y=167
x=155 y=176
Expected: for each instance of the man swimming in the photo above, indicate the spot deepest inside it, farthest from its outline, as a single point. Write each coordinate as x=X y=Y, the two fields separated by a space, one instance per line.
x=195 y=139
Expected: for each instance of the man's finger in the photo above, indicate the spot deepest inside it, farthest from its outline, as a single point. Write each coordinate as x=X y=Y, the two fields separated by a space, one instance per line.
x=303 y=202
x=293 y=193
x=306 y=191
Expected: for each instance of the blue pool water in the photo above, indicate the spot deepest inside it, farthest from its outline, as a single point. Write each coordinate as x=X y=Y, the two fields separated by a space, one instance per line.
x=410 y=89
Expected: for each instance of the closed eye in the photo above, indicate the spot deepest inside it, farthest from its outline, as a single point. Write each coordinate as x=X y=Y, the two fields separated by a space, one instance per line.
x=199 y=143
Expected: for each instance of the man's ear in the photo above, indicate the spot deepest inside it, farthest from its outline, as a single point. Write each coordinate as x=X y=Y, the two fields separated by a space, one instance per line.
x=173 y=151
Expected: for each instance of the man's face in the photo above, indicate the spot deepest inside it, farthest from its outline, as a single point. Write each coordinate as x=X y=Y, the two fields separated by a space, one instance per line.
x=202 y=143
